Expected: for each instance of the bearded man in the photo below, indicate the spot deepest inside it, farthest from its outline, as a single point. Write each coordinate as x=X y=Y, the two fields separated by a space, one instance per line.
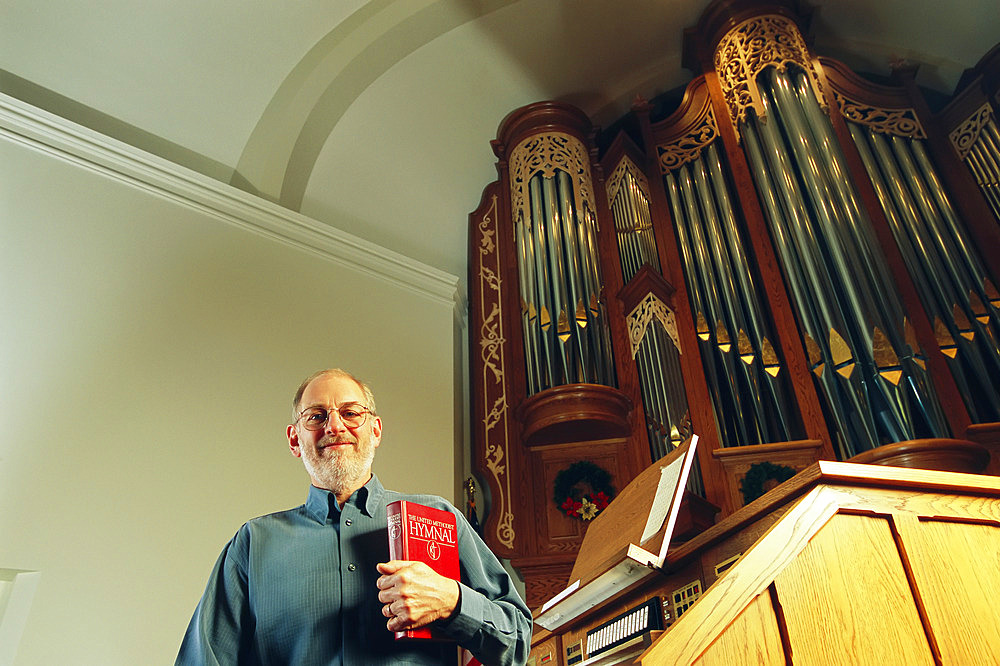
x=314 y=584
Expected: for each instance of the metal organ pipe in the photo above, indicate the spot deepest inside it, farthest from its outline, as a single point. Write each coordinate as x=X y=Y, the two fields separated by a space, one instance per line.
x=952 y=228
x=877 y=311
x=738 y=423
x=656 y=357
x=543 y=283
x=702 y=324
x=528 y=309
x=566 y=340
x=787 y=214
x=838 y=278
x=947 y=270
x=756 y=319
x=904 y=218
x=831 y=217
x=987 y=175
x=575 y=291
x=748 y=405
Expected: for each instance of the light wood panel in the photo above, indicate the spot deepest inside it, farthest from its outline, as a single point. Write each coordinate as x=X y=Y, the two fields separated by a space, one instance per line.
x=846 y=598
x=723 y=602
x=752 y=638
x=956 y=567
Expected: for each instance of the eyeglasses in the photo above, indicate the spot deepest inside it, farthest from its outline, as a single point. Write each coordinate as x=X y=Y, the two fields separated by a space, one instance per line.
x=351 y=415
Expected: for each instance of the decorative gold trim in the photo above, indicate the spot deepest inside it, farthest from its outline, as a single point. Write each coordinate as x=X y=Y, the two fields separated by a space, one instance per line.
x=750 y=48
x=885 y=357
x=744 y=348
x=701 y=327
x=962 y=322
x=815 y=355
x=965 y=135
x=641 y=317
x=842 y=356
x=772 y=365
x=617 y=180
x=722 y=337
x=496 y=429
x=979 y=310
x=945 y=342
x=898 y=122
x=688 y=147
x=545 y=154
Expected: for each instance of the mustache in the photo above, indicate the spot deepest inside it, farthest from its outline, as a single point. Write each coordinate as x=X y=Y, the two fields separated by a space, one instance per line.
x=328 y=441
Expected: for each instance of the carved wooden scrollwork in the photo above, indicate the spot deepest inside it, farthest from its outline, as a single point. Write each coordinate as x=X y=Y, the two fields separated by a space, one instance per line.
x=965 y=135
x=544 y=154
x=897 y=122
x=641 y=317
x=751 y=47
x=689 y=146
x=626 y=166
x=495 y=423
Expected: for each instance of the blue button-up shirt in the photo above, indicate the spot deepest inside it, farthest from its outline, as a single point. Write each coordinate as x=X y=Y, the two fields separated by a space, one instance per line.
x=298 y=587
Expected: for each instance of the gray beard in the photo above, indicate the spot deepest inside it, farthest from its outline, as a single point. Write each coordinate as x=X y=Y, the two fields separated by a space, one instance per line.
x=342 y=472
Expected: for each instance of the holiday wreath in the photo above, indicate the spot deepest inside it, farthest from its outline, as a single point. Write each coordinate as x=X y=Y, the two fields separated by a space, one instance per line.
x=583 y=490
x=761 y=477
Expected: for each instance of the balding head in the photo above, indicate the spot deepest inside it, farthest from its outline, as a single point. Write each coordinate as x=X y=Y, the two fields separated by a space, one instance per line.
x=297 y=400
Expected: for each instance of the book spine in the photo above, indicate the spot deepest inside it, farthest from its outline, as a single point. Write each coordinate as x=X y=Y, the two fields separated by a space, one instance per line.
x=397 y=514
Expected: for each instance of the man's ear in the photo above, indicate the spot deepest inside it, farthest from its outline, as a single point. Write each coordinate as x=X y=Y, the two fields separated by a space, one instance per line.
x=377 y=430
x=293 y=441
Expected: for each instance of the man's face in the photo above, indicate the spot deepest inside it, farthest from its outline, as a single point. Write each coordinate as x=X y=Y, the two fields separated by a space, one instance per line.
x=337 y=457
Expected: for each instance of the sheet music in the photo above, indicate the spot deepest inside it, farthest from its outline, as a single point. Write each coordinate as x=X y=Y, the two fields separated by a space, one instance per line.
x=675 y=505
x=669 y=476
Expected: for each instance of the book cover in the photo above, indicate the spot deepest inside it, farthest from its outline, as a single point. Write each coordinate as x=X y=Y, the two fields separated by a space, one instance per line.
x=425 y=534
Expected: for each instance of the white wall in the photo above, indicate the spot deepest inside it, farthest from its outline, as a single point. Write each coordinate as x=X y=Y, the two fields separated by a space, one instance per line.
x=150 y=342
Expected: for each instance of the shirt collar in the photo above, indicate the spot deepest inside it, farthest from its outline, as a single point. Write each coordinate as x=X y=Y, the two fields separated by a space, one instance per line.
x=322 y=504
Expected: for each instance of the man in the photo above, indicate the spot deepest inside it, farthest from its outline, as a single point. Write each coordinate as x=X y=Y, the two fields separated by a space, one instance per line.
x=314 y=585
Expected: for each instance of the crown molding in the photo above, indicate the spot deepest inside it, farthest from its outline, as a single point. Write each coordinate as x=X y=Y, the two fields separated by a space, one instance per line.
x=57 y=137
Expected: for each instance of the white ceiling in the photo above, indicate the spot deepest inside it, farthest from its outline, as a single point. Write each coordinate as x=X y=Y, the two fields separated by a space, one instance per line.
x=375 y=116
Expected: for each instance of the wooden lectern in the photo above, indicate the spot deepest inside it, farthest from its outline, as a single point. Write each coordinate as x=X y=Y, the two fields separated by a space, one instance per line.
x=842 y=564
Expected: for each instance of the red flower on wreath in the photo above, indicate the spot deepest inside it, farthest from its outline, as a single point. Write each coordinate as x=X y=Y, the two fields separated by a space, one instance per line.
x=570 y=506
x=582 y=490
x=601 y=500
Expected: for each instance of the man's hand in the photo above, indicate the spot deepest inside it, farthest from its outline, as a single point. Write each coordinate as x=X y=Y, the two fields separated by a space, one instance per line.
x=414 y=595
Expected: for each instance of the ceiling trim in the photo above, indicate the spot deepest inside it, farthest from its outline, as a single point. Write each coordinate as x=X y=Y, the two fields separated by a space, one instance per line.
x=57 y=137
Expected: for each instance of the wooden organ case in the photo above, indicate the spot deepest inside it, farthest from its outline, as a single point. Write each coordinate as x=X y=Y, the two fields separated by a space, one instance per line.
x=796 y=264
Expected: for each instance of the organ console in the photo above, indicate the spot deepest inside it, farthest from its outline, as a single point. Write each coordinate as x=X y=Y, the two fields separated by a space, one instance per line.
x=843 y=563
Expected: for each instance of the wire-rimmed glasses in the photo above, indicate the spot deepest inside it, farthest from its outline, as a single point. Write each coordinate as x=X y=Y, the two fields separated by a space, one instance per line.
x=352 y=415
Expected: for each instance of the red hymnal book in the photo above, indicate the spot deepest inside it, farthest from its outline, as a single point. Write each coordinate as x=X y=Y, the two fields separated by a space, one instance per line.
x=425 y=534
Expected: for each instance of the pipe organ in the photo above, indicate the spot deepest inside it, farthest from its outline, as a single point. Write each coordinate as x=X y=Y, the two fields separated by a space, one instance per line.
x=795 y=264
x=555 y=233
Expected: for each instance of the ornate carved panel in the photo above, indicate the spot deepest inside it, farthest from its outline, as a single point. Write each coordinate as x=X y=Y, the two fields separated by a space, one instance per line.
x=616 y=179
x=689 y=146
x=544 y=154
x=748 y=49
x=965 y=135
x=496 y=424
x=640 y=318
x=898 y=122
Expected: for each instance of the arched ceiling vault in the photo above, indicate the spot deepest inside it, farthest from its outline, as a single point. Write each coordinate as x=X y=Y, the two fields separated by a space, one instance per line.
x=282 y=150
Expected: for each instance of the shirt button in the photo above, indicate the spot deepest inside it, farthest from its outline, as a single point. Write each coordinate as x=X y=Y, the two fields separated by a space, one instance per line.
x=348 y=522
x=351 y=567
